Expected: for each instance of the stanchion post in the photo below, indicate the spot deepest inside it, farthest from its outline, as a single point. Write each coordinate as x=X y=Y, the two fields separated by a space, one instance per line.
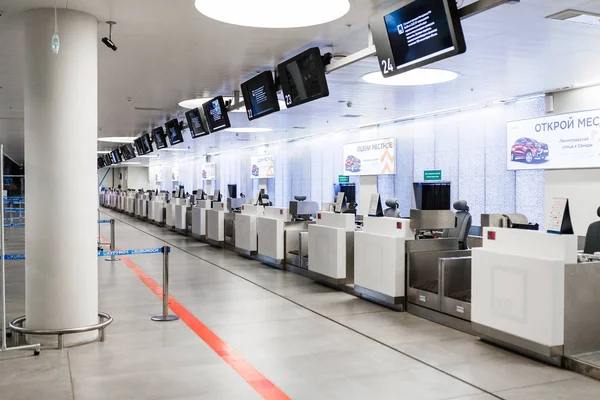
x=165 y=317
x=99 y=234
x=112 y=258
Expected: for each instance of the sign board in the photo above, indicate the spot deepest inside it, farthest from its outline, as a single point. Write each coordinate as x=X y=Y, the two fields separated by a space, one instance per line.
x=375 y=208
x=375 y=157
x=343 y=179
x=559 y=220
x=555 y=142
x=209 y=171
x=263 y=167
x=432 y=175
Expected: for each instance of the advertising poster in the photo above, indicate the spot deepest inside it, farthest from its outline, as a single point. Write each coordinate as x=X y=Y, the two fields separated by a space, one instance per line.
x=375 y=157
x=209 y=171
x=555 y=142
x=263 y=166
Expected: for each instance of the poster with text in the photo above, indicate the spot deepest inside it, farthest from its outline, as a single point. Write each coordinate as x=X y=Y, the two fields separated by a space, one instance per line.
x=209 y=171
x=375 y=157
x=263 y=166
x=555 y=142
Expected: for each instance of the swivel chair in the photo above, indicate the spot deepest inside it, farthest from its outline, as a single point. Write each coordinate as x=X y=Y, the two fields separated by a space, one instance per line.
x=392 y=211
x=592 y=237
x=264 y=200
x=463 y=225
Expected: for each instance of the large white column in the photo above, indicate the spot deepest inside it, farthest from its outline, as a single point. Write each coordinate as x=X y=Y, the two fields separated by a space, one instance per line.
x=61 y=125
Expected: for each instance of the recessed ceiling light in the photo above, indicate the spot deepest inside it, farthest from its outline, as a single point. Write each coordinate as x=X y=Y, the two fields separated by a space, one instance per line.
x=131 y=163
x=416 y=77
x=272 y=14
x=149 y=156
x=173 y=149
x=581 y=17
x=116 y=139
x=249 y=130
x=197 y=103
x=103 y=151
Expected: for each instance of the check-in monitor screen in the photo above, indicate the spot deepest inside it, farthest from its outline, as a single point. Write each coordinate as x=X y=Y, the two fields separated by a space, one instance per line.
x=160 y=139
x=216 y=114
x=174 y=132
x=260 y=96
x=195 y=124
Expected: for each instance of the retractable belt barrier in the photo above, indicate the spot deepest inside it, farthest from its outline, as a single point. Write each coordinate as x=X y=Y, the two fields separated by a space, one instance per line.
x=104 y=221
x=12 y=225
x=157 y=250
x=14 y=210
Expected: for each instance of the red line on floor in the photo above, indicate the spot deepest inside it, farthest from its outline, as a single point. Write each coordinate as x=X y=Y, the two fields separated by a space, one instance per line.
x=264 y=387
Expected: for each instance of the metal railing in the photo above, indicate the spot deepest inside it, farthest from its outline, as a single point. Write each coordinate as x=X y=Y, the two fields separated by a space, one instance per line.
x=16 y=326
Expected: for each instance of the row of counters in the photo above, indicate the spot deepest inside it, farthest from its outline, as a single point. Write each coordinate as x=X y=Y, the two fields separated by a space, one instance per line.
x=524 y=290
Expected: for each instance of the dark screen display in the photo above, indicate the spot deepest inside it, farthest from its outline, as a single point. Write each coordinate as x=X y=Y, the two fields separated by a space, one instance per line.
x=418 y=33
x=107 y=159
x=127 y=151
x=138 y=147
x=101 y=163
x=260 y=96
x=216 y=114
x=145 y=144
x=115 y=155
x=160 y=139
x=174 y=132
x=195 y=123
x=303 y=78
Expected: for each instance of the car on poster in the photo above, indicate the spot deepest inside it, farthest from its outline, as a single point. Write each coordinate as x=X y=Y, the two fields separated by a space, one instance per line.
x=263 y=167
x=562 y=141
x=208 y=171
x=373 y=157
x=255 y=170
x=352 y=164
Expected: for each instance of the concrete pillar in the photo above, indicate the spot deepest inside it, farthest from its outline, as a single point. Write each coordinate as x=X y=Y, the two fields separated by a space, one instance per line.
x=61 y=126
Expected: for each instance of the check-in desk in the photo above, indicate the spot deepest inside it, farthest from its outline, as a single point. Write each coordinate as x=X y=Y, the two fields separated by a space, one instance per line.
x=180 y=217
x=278 y=234
x=130 y=203
x=199 y=218
x=215 y=224
x=331 y=248
x=245 y=232
x=379 y=260
x=121 y=202
x=531 y=295
x=141 y=208
x=156 y=209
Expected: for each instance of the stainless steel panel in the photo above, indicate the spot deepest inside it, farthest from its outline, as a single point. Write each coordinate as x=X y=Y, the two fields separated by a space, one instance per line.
x=475 y=241
x=432 y=219
x=580 y=242
x=456 y=286
x=229 y=228
x=426 y=245
x=350 y=257
x=493 y=220
x=582 y=308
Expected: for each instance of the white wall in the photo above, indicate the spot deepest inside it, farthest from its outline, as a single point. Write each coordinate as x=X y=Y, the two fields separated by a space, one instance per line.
x=580 y=186
x=137 y=178
x=108 y=180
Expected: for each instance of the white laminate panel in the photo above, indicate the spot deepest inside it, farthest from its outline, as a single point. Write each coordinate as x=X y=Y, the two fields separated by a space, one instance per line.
x=277 y=213
x=327 y=251
x=253 y=210
x=215 y=228
x=245 y=232
x=397 y=227
x=330 y=219
x=519 y=295
x=270 y=237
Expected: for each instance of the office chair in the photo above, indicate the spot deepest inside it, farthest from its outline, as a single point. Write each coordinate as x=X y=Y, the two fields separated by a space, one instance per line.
x=392 y=211
x=264 y=200
x=463 y=225
x=592 y=237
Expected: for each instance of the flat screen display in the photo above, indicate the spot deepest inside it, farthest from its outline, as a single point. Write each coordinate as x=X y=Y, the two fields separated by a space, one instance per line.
x=195 y=123
x=145 y=144
x=216 y=114
x=303 y=78
x=160 y=139
x=101 y=163
x=416 y=33
x=174 y=132
x=138 y=148
x=107 y=159
x=260 y=96
x=115 y=155
x=127 y=151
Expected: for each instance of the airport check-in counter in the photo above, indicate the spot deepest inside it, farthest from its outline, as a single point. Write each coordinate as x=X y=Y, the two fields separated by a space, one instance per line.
x=530 y=294
x=438 y=273
x=130 y=202
x=379 y=259
x=156 y=210
x=245 y=231
x=234 y=205
x=331 y=247
x=199 y=218
x=180 y=217
x=215 y=223
x=277 y=235
x=141 y=209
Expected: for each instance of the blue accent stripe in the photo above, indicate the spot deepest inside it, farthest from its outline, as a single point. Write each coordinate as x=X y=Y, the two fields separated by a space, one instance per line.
x=104 y=221
x=101 y=253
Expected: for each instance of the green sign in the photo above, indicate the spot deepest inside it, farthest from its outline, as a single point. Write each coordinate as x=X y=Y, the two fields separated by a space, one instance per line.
x=343 y=179
x=433 y=175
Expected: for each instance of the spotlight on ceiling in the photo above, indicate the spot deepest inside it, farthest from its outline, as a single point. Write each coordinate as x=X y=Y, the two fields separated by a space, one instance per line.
x=108 y=40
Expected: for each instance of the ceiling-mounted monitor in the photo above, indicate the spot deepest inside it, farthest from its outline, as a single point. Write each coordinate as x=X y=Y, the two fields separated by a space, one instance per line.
x=303 y=78
x=174 y=132
x=216 y=114
x=260 y=96
x=127 y=151
x=107 y=159
x=160 y=139
x=145 y=144
x=116 y=157
x=415 y=33
x=101 y=163
x=138 y=148
x=195 y=123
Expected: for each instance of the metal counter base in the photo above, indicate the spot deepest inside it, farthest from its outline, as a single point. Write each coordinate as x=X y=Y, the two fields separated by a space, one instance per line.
x=215 y=243
x=586 y=364
x=550 y=355
x=245 y=253
x=183 y=232
x=394 y=303
x=440 y=318
x=271 y=262
x=197 y=237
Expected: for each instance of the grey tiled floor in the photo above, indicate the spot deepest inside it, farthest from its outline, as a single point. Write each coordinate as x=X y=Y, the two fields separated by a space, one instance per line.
x=310 y=341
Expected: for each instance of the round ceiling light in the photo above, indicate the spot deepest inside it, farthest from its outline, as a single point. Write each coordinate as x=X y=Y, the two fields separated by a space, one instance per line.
x=197 y=103
x=415 y=77
x=272 y=14
x=249 y=130
x=116 y=139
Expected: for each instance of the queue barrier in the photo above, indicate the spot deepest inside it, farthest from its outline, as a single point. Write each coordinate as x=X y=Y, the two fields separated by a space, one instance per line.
x=14 y=210
x=12 y=225
x=157 y=250
x=104 y=221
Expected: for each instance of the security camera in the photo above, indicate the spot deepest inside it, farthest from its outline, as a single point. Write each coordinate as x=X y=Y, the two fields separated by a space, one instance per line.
x=108 y=40
x=349 y=104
